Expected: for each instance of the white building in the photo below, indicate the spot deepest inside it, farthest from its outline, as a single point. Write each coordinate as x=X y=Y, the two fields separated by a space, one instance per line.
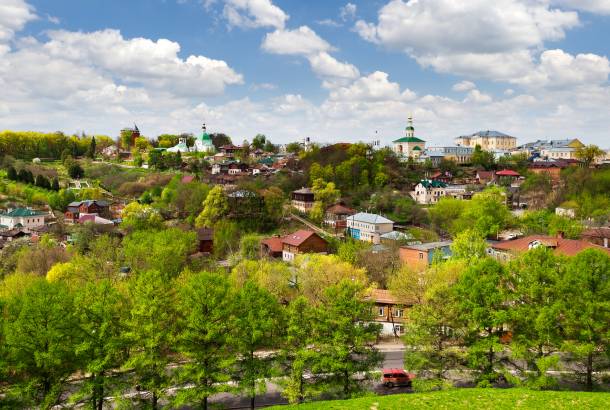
x=409 y=146
x=203 y=143
x=21 y=218
x=488 y=141
x=368 y=227
x=428 y=192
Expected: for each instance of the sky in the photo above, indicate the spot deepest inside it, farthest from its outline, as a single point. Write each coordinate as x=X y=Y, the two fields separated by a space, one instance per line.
x=333 y=71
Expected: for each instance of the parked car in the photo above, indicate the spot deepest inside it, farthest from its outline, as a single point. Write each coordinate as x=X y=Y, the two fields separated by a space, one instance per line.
x=397 y=377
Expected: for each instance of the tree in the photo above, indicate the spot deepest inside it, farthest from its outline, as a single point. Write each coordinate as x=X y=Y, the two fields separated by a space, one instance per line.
x=226 y=237
x=445 y=213
x=482 y=308
x=589 y=153
x=249 y=246
x=91 y=150
x=269 y=147
x=220 y=139
x=486 y=212
x=325 y=192
x=255 y=327
x=258 y=142
x=11 y=173
x=482 y=158
x=274 y=276
x=138 y=217
x=41 y=333
x=205 y=309
x=584 y=312
x=294 y=148
x=347 y=336
x=469 y=245
x=567 y=227
x=215 y=207
x=75 y=171
x=150 y=330
x=55 y=185
x=274 y=204
x=100 y=312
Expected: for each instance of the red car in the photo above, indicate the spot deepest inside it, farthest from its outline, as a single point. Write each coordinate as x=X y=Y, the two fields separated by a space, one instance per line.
x=397 y=377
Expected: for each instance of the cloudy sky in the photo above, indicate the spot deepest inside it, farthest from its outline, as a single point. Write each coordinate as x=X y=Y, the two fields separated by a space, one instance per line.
x=325 y=69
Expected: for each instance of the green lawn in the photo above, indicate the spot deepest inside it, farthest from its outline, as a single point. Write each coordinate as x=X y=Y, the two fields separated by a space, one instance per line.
x=469 y=399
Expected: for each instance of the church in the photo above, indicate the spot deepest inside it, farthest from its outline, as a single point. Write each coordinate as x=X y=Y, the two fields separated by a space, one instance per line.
x=409 y=146
x=203 y=143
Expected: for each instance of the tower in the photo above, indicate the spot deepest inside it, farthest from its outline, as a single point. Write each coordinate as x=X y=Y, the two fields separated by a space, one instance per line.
x=410 y=130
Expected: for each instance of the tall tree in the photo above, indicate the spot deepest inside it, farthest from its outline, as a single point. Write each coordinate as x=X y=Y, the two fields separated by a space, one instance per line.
x=205 y=309
x=256 y=326
x=100 y=310
x=584 y=309
x=41 y=334
x=91 y=150
x=258 y=142
x=215 y=207
x=589 y=154
x=150 y=332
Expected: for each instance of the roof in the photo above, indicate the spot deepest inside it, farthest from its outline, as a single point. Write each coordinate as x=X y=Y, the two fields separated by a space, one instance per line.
x=416 y=148
x=205 y=138
x=187 y=178
x=205 y=234
x=340 y=209
x=396 y=236
x=490 y=134
x=425 y=247
x=508 y=173
x=568 y=247
x=13 y=233
x=88 y=202
x=433 y=183
x=485 y=174
x=409 y=139
x=303 y=191
x=383 y=296
x=94 y=219
x=602 y=232
x=274 y=243
x=297 y=238
x=21 y=212
x=369 y=218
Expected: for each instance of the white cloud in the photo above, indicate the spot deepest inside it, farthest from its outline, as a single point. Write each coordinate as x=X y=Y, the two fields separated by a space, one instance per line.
x=14 y=14
x=463 y=86
x=477 y=37
x=328 y=23
x=300 y=41
x=592 y=6
x=477 y=97
x=325 y=65
x=254 y=14
x=374 y=87
x=348 y=12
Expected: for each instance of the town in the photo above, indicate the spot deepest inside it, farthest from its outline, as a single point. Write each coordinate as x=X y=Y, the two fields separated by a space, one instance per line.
x=351 y=248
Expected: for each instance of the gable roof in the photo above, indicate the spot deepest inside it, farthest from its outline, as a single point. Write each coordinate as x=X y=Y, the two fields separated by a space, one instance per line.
x=508 y=173
x=568 y=247
x=369 y=218
x=22 y=212
x=299 y=237
x=490 y=134
x=274 y=243
x=340 y=209
x=433 y=183
x=408 y=139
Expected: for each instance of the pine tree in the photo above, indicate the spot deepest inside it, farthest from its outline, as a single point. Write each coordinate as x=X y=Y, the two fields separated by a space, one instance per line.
x=12 y=173
x=55 y=186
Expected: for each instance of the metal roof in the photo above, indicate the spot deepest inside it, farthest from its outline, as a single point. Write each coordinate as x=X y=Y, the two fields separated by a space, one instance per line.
x=369 y=218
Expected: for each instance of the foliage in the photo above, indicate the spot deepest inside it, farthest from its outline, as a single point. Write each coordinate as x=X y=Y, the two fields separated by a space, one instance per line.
x=137 y=217
x=589 y=153
x=482 y=158
x=215 y=207
x=469 y=245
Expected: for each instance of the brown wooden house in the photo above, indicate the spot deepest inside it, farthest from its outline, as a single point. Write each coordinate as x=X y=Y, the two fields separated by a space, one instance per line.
x=300 y=242
x=205 y=240
x=75 y=209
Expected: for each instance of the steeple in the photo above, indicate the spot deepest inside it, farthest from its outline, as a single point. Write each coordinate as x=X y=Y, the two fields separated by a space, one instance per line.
x=410 y=130
x=204 y=128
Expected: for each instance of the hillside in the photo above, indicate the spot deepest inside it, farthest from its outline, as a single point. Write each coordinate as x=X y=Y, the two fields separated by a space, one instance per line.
x=469 y=399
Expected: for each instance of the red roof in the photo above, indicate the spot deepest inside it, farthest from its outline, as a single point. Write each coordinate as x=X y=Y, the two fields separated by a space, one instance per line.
x=568 y=247
x=275 y=243
x=340 y=209
x=508 y=173
x=297 y=238
x=187 y=178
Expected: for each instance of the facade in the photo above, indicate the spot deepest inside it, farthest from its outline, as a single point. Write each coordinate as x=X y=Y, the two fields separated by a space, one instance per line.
x=336 y=215
x=409 y=146
x=488 y=141
x=21 y=218
x=394 y=236
x=89 y=207
x=458 y=154
x=389 y=312
x=368 y=227
x=428 y=192
x=302 y=199
x=301 y=242
x=506 y=250
x=541 y=148
x=420 y=256
x=558 y=153
x=203 y=143
x=551 y=168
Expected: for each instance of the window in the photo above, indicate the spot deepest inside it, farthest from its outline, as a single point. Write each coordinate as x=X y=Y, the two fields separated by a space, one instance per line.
x=399 y=329
x=380 y=311
x=421 y=255
x=398 y=312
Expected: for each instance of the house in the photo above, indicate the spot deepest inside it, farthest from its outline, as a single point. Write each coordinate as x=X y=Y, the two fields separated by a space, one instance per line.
x=409 y=146
x=485 y=177
x=13 y=234
x=599 y=236
x=97 y=207
x=507 y=175
x=422 y=255
x=336 y=215
x=428 y=192
x=458 y=154
x=301 y=242
x=187 y=179
x=230 y=149
x=368 y=227
x=205 y=240
x=272 y=247
x=550 y=168
x=302 y=199
x=21 y=218
x=93 y=219
x=442 y=177
x=389 y=312
x=506 y=250
x=488 y=141
x=458 y=192
x=229 y=167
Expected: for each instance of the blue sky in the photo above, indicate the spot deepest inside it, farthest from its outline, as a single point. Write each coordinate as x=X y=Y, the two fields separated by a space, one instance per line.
x=329 y=70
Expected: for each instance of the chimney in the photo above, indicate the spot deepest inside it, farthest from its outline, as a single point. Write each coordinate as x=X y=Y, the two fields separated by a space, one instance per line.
x=559 y=234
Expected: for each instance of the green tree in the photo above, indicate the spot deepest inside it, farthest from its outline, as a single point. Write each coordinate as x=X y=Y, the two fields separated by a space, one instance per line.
x=584 y=310
x=569 y=228
x=482 y=158
x=205 y=309
x=150 y=332
x=347 y=335
x=589 y=153
x=139 y=217
x=256 y=327
x=469 y=245
x=445 y=213
x=11 y=173
x=249 y=246
x=294 y=148
x=258 y=142
x=484 y=312
x=486 y=212
x=91 y=150
x=100 y=311
x=41 y=334
x=75 y=171
x=226 y=238
x=274 y=204
x=215 y=207
x=55 y=185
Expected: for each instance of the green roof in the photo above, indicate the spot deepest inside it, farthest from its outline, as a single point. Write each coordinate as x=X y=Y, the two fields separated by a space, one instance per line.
x=409 y=139
x=205 y=137
x=416 y=148
x=434 y=184
x=20 y=212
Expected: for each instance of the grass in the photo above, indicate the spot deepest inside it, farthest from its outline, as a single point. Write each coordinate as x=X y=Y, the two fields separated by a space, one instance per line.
x=468 y=399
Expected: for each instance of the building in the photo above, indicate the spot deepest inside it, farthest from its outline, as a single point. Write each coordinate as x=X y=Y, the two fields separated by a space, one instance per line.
x=506 y=250
x=458 y=154
x=558 y=153
x=336 y=215
x=488 y=141
x=302 y=199
x=368 y=227
x=205 y=240
x=389 y=312
x=203 y=143
x=550 y=168
x=93 y=207
x=420 y=256
x=485 y=177
x=395 y=236
x=598 y=236
x=301 y=242
x=507 y=174
x=272 y=247
x=428 y=191
x=551 y=148
x=409 y=146
x=21 y=218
